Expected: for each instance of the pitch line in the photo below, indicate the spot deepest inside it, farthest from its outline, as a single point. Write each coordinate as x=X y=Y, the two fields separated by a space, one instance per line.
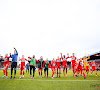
x=49 y=80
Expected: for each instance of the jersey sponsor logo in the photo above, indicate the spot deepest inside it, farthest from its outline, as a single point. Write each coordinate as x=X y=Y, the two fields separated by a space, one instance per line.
x=93 y=65
x=22 y=60
x=85 y=60
x=80 y=63
x=58 y=60
x=53 y=64
x=73 y=58
x=5 y=59
x=64 y=59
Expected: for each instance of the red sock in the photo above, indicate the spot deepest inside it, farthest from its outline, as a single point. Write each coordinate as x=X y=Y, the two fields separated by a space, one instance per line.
x=96 y=73
x=57 y=71
x=23 y=72
x=47 y=75
x=52 y=75
x=4 y=72
x=84 y=74
x=66 y=71
x=39 y=73
x=81 y=71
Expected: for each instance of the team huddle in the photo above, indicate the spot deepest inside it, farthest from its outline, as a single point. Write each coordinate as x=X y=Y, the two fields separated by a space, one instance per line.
x=77 y=65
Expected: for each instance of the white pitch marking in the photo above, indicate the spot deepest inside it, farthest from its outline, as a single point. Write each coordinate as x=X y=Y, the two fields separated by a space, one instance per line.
x=51 y=80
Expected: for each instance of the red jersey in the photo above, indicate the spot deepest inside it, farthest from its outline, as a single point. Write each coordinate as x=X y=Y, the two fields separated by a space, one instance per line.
x=23 y=61
x=76 y=64
x=80 y=63
x=87 y=67
x=53 y=64
x=58 y=61
x=6 y=60
x=94 y=64
x=64 y=61
x=73 y=60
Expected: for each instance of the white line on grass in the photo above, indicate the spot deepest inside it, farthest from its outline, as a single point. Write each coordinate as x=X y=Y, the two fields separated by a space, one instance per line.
x=51 y=80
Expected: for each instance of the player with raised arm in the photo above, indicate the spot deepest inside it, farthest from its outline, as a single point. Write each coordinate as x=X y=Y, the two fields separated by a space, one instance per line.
x=64 y=59
x=22 y=66
x=53 y=67
x=85 y=61
x=73 y=61
x=94 y=68
x=14 y=62
x=6 y=65
x=58 y=63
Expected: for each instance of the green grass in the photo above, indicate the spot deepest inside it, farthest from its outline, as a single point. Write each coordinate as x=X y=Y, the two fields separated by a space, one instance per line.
x=44 y=83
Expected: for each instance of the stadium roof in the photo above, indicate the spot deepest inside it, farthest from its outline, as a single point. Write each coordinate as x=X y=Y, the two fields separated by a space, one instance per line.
x=95 y=56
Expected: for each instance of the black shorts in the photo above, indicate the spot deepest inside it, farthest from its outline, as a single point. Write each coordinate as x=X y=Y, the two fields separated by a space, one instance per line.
x=14 y=65
x=44 y=69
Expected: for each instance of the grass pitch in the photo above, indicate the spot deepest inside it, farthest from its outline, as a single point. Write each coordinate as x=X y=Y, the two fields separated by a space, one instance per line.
x=62 y=83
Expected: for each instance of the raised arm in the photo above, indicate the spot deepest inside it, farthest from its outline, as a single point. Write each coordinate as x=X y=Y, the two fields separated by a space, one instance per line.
x=36 y=61
x=16 y=51
x=61 y=56
x=88 y=57
x=68 y=55
x=26 y=59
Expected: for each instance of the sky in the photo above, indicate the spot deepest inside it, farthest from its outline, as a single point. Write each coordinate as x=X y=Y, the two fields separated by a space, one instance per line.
x=50 y=27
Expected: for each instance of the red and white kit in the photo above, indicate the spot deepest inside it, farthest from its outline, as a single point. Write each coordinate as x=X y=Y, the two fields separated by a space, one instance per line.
x=73 y=60
x=6 y=62
x=94 y=66
x=58 y=62
x=53 y=65
x=64 y=62
x=23 y=63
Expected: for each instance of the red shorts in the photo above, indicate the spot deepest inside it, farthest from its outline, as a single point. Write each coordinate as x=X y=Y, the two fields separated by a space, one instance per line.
x=58 y=67
x=22 y=67
x=94 y=68
x=76 y=70
x=64 y=66
x=6 y=65
x=80 y=68
x=87 y=69
x=73 y=66
x=40 y=69
x=53 y=69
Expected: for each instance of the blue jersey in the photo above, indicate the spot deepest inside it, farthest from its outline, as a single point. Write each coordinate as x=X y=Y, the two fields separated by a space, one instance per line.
x=14 y=56
x=27 y=66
